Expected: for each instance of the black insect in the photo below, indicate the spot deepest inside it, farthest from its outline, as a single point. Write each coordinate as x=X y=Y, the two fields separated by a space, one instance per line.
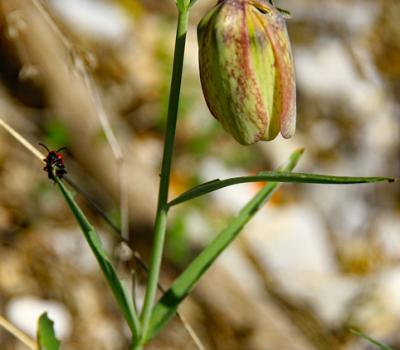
x=54 y=161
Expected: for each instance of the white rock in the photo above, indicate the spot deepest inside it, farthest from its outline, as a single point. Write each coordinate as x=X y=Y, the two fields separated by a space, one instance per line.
x=326 y=70
x=292 y=238
x=292 y=242
x=389 y=292
x=97 y=19
x=72 y=246
x=389 y=234
x=352 y=16
x=24 y=312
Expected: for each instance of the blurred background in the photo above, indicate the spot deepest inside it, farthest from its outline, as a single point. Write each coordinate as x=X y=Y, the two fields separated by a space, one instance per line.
x=315 y=262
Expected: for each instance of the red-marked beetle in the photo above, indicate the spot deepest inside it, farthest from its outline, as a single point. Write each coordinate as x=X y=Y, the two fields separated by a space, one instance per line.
x=54 y=160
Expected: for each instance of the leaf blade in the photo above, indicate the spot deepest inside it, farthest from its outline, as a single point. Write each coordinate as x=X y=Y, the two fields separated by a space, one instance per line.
x=46 y=336
x=371 y=340
x=169 y=302
x=274 y=176
x=106 y=266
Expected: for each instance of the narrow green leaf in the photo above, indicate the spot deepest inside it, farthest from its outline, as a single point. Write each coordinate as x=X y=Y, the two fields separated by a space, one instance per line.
x=46 y=336
x=108 y=269
x=371 y=340
x=168 y=304
x=275 y=176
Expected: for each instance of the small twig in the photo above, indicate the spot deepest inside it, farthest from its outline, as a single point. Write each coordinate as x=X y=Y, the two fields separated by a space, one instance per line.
x=124 y=200
x=17 y=333
x=81 y=68
x=39 y=6
x=191 y=331
x=22 y=140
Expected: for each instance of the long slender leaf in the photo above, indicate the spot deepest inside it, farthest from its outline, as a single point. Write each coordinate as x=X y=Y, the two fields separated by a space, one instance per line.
x=371 y=340
x=108 y=269
x=168 y=304
x=275 y=176
x=46 y=336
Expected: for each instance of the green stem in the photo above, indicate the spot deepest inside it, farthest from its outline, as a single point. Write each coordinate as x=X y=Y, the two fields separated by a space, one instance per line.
x=166 y=307
x=161 y=216
x=136 y=347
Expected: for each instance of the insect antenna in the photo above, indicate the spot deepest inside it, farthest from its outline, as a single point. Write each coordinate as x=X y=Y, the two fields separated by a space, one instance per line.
x=60 y=149
x=47 y=149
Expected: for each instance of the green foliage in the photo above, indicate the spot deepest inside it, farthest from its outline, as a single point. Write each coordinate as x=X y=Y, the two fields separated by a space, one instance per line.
x=276 y=176
x=155 y=317
x=169 y=302
x=46 y=336
x=105 y=264
x=371 y=340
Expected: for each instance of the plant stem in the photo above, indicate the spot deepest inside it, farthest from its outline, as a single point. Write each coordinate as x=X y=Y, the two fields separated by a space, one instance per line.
x=181 y=287
x=161 y=216
x=136 y=347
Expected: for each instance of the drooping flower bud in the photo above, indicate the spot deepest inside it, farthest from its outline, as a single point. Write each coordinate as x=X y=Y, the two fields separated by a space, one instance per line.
x=247 y=71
